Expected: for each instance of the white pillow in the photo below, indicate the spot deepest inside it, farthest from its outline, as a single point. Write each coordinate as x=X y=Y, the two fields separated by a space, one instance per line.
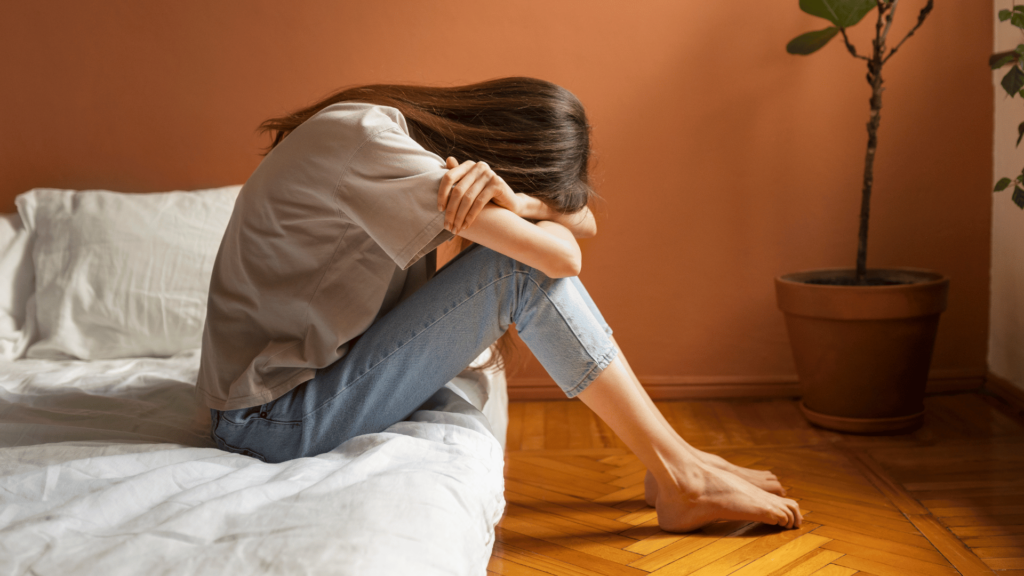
x=15 y=286
x=120 y=275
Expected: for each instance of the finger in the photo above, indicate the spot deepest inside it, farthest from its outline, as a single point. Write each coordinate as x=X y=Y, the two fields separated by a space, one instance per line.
x=463 y=179
x=497 y=192
x=459 y=191
x=446 y=183
x=476 y=191
x=503 y=196
x=450 y=178
x=481 y=200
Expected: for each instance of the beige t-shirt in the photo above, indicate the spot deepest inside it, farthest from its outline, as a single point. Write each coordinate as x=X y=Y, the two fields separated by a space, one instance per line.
x=329 y=233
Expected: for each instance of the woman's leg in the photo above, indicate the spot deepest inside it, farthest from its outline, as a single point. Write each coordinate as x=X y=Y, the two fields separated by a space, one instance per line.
x=691 y=493
x=762 y=479
x=413 y=350
x=408 y=354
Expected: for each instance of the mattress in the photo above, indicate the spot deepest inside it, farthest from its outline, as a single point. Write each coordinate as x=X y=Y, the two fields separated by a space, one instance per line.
x=107 y=467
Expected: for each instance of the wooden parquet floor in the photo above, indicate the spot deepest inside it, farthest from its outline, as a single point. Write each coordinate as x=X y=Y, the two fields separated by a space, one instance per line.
x=945 y=500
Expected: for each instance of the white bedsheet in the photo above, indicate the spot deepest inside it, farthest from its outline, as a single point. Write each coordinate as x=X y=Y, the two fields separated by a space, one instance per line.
x=106 y=467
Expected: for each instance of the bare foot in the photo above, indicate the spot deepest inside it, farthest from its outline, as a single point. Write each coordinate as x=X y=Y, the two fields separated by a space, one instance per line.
x=718 y=495
x=650 y=489
x=763 y=479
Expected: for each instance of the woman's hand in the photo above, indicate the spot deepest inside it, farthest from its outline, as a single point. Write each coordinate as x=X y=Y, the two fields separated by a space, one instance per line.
x=466 y=188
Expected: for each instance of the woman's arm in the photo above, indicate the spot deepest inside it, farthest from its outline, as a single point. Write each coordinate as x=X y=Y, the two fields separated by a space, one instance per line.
x=466 y=188
x=581 y=224
x=480 y=207
x=547 y=246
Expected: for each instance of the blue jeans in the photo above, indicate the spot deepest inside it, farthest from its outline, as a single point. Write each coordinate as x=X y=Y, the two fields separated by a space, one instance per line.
x=426 y=340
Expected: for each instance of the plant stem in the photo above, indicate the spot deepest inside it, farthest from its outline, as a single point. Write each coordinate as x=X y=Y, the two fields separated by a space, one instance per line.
x=875 y=79
x=869 y=165
x=920 y=20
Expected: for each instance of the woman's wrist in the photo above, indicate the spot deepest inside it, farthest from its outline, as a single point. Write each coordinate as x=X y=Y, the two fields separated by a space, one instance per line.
x=581 y=223
x=531 y=208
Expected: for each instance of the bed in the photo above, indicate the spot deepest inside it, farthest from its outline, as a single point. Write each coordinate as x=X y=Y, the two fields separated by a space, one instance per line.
x=106 y=464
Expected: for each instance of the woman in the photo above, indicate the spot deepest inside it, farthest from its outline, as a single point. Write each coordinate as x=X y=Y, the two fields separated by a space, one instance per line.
x=326 y=319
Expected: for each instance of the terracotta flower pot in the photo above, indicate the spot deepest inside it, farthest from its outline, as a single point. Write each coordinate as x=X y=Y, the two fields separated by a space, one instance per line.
x=862 y=353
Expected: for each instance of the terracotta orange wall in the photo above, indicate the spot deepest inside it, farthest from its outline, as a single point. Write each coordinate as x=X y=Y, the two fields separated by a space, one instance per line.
x=723 y=161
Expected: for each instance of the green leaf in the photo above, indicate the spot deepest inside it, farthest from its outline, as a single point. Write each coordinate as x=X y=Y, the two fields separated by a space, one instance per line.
x=1020 y=130
x=1003 y=184
x=1019 y=8
x=842 y=13
x=1017 y=19
x=1018 y=197
x=1013 y=81
x=1004 y=15
x=811 y=42
x=1004 y=60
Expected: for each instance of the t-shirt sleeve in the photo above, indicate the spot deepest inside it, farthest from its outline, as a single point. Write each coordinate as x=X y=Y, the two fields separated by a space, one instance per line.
x=390 y=190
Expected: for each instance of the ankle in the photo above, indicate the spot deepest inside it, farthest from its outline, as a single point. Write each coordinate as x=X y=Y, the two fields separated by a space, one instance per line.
x=681 y=475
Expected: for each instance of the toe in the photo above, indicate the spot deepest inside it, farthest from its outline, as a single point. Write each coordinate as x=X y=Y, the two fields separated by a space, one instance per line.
x=786 y=518
x=795 y=511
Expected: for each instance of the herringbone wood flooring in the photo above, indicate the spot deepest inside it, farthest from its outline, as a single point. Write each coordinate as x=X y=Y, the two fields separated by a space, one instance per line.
x=945 y=500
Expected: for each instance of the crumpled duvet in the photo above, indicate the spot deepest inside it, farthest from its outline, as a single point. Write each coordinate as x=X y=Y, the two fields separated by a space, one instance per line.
x=106 y=467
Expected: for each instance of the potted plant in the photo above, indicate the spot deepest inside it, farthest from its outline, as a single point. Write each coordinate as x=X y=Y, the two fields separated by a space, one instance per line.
x=1013 y=83
x=862 y=338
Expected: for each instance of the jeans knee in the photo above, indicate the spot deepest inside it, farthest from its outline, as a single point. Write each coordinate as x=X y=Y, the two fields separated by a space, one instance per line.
x=525 y=279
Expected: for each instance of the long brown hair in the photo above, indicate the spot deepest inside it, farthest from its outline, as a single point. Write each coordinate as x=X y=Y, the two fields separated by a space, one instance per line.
x=532 y=133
